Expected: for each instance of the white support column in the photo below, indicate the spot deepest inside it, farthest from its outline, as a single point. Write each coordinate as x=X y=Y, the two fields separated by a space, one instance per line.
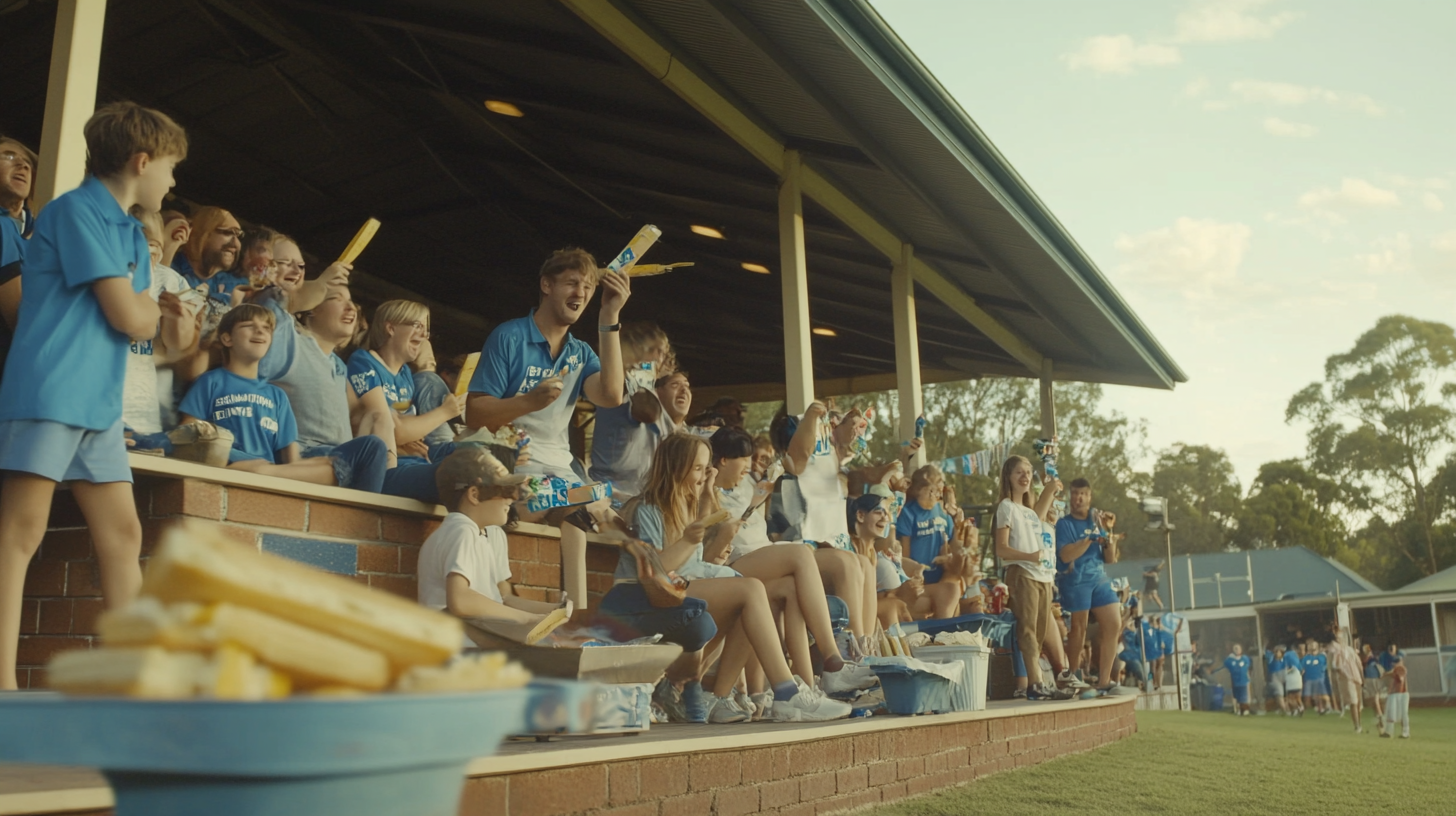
x=70 y=97
x=1048 y=407
x=793 y=268
x=907 y=346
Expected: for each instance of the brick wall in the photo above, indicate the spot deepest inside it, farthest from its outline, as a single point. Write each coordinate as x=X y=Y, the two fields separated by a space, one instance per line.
x=804 y=778
x=379 y=548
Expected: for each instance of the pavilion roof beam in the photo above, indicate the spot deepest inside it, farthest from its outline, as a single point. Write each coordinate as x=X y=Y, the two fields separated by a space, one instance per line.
x=769 y=148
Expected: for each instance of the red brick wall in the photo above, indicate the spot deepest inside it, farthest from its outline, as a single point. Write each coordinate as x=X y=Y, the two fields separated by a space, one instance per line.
x=818 y=776
x=63 y=595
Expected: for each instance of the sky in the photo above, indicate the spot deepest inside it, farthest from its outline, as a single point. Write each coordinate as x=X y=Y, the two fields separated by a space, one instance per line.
x=1260 y=179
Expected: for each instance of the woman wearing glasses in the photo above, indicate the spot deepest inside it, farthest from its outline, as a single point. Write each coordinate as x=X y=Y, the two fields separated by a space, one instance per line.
x=17 y=173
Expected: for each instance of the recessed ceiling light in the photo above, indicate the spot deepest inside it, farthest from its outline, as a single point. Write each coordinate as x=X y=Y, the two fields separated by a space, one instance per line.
x=503 y=108
x=823 y=331
x=756 y=268
x=706 y=232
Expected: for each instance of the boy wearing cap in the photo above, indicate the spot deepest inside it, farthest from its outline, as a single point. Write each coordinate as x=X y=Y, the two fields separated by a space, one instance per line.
x=464 y=566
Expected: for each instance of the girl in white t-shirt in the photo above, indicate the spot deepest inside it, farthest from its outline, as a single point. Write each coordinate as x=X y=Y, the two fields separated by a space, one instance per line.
x=1029 y=553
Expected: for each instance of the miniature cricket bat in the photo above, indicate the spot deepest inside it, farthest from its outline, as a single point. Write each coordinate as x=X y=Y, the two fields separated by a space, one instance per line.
x=716 y=517
x=636 y=248
x=467 y=373
x=647 y=270
x=361 y=240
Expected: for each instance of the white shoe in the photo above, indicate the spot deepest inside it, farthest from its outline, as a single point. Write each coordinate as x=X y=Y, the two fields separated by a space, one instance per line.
x=1067 y=679
x=727 y=710
x=762 y=705
x=745 y=702
x=852 y=677
x=809 y=706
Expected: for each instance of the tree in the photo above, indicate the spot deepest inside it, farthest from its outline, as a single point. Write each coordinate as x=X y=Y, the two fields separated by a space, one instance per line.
x=1380 y=423
x=1203 y=496
x=1289 y=506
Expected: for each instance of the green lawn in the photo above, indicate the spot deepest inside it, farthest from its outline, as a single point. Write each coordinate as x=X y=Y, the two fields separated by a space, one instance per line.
x=1217 y=764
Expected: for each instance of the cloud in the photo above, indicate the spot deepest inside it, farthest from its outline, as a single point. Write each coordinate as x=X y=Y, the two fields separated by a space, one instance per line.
x=1432 y=202
x=1228 y=21
x=1429 y=183
x=1199 y=258
x=1287 y=94
x=1352 y=192
x=1289 y=130
x=1392 y=254
x=1445 y=242
x=1119 y=54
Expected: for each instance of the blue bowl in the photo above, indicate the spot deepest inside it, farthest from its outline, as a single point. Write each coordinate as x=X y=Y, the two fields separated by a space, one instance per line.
x=384 y=755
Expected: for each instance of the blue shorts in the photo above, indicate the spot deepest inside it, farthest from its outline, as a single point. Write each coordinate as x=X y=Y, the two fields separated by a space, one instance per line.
x=1241 y=695
x=64 y=453
x=1315 y=688
x=689 y=625
x=1084 y=595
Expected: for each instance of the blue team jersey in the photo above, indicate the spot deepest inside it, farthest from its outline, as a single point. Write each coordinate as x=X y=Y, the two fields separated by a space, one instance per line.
x=1387 y=661
x=1272 y=662
x=67 y=364
x=928 y=531
x=1166 y=642
x=257 y=413
x=1314 y=666
x=1292 y=661
x=12 y=249
x=367 y=372
x=1130 y=648
x=219 y=287
x=1238 y=669
x=515 y=359
x=1152 y=644
x=1088 y=567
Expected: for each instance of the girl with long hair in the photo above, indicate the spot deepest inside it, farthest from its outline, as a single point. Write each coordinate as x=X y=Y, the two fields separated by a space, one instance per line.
x=668 y=515
x=1029 y=552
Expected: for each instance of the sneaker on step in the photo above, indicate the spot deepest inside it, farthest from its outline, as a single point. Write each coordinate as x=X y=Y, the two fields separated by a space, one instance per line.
x=1069 y=679
x=852 y=677
x=726 y=710
x=696 y=701
x=1119 y=690
x=809 y=705
x=762 y=705
x=1041 y=691
x=669 y=698
x=744 y=702
x=1019 y=694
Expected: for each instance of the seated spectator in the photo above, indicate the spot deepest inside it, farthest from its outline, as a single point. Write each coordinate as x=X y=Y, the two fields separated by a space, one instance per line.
x=380 y=376
x=900 y=586
x=17 y=173
x=212 y=249
x=255 y=262
x=464 y=566
x=789 y=572
x=626 y=435
x=667 y=516
x=143 y=408
x=430 y=393
x=763 y=456
x=924 y=530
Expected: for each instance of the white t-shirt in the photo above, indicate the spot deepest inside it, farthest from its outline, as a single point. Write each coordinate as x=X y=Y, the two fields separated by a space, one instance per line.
x=460 y=546
x=1028 y=535
x=141 y=405
x=752 y=534
x=888 y=575
x=825 y=514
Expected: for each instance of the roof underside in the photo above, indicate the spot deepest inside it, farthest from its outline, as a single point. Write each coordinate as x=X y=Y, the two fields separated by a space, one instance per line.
x=311 y=116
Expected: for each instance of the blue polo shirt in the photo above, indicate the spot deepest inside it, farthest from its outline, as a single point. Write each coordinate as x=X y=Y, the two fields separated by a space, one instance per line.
x=1152 y=644
x=1314 y=666
x=67 y=364
x=516 y=358
x=1291 y=661
x=1238 y=669
x=367 y=372
x=1387 y=660
x=219 y=287
x=12 y=252
x=256 y=412
x=1272 y=662
x=1088 y=567
x=928 y=530
x=1130 y=648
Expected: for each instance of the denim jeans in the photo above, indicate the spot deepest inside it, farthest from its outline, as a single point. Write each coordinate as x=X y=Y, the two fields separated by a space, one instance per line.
x=359 y=463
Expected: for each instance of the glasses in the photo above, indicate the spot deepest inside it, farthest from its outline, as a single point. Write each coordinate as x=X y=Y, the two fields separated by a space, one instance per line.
x=230 y=232
x=419 y=326
x=11 y=157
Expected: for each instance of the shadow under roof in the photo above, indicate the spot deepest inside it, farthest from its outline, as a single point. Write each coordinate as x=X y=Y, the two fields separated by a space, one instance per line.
x=311 y=116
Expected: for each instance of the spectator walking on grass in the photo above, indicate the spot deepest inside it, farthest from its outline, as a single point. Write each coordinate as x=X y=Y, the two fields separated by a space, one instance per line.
x=1374 y=688
x=1348 y=675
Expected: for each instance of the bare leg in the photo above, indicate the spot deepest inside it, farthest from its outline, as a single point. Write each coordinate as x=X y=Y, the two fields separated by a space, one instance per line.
x=685 y=668
x=842 y=575
x=945 y=598
x=1108 y=620
x=797 y=563
x=1076 y=636
x=110 y=511
x=794 y=635
x=745 y=599
x=25 y=503
x=737 y=652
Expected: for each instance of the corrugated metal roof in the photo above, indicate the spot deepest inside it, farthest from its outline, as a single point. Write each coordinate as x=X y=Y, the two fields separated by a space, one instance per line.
x=1282 y=573
x=1443 y=581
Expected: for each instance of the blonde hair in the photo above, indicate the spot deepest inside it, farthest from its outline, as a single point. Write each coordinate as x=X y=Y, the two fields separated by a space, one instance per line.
x=392 y=313
x=1007 y=487
x=667 y=486
x=638 y=335
x=152 y=225
x=120 y=130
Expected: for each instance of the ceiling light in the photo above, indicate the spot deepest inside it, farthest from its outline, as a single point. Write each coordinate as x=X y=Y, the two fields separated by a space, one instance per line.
x=756 y=268
x=706 y=232
x=503 y=108
x=824 y=331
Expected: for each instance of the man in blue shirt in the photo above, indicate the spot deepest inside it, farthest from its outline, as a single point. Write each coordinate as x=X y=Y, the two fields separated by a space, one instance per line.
x=1316 y=678
x=532 y=370
x=1084 y=546
x=85 y=297
x=1237 y=666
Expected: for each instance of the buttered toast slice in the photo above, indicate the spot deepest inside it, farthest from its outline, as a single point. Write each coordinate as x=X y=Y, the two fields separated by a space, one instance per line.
x=194 y=563
x=151 y=672
x=312 y=658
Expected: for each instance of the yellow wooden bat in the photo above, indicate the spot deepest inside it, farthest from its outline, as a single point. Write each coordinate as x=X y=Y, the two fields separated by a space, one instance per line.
x=645 y=270
x=361 y=240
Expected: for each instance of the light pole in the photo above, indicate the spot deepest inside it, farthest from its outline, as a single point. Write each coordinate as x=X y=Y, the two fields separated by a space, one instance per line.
x=1156 y=509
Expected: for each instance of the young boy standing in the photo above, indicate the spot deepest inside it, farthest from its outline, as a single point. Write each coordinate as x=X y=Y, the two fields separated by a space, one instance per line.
x=1397 y=704
x=85 y=279
x=1237 y=665
x=464 y=567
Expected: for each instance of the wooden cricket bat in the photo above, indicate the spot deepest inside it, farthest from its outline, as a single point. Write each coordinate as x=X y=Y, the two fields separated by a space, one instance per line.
x=467 y=373
x=361 y=240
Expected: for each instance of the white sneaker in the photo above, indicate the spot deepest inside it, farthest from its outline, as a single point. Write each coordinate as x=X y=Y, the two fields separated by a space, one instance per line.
x=809 y=706
x=763 y=705
x=727 y=710
x=852 y=677
x=1067 y=679
x=745 y=702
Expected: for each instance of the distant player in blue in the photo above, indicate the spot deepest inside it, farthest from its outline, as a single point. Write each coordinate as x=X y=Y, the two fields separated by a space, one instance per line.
x=1131 y=656
x=1164 y=642
x=1274 y=678
x=1237 y=665
x=1316 y=679
x=381 y=378
x=1294 y=680
x=532 y=370
x=84 y=298
x=1082 y=580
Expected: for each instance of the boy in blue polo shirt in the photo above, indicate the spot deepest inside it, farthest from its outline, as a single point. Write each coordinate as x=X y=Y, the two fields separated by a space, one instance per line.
x=84 y=299
x=1316 y=678
x=1082 y=581
x=532 y=370
x=1237 y=666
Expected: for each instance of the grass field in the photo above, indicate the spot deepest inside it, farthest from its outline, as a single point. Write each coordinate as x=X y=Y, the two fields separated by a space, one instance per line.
x=1197 y=763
